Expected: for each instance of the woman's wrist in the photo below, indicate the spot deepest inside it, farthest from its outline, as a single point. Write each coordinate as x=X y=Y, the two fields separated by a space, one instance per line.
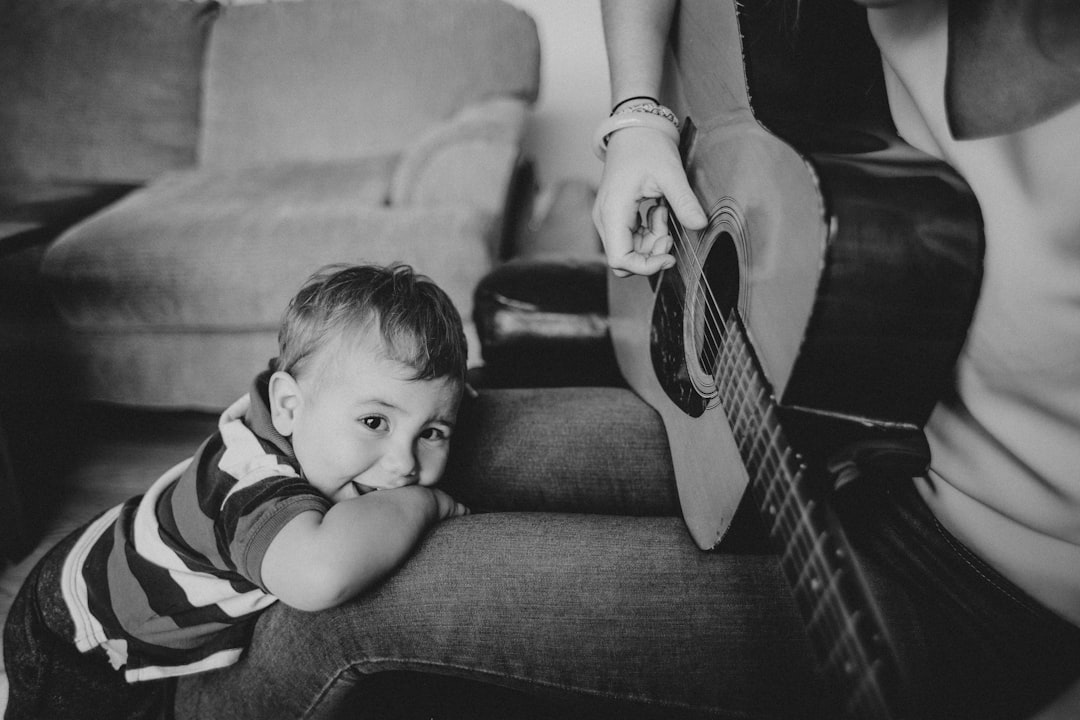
x=644 y=114
x=637 y=99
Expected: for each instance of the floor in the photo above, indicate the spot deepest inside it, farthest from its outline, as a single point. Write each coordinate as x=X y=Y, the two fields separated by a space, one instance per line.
x=94 y=458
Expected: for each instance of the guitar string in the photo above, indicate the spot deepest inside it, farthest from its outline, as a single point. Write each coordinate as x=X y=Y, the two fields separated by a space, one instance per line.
x=825 y=608
x=818 y=582
x=841 y=645
x=715 y=325
x=842 y=621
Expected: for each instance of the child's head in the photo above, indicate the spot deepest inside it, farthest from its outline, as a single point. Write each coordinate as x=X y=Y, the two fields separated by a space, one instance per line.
x=369 y=375
x=417 y=322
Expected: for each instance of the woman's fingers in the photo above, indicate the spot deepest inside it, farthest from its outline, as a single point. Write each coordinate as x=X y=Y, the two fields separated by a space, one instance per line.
x=642 y=166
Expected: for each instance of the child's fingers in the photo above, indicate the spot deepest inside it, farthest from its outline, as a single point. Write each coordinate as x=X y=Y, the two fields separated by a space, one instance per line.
x=448 y=506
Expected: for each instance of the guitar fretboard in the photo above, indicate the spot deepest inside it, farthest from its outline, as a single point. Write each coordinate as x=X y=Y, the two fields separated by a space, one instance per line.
x=814 y=553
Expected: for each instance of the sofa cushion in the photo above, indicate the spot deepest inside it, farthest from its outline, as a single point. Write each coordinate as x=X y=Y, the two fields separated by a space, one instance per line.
x=470 y=158
x=225 y=249
x=326 y=79
x=103 y=90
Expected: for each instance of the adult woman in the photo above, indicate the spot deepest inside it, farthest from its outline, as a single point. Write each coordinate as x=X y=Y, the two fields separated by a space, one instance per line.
x=605 y=609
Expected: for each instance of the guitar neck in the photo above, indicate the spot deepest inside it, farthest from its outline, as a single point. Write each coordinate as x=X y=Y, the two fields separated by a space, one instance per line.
x=815 y=557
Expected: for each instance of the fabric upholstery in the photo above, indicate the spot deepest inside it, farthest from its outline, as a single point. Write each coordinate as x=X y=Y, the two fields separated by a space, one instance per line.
x=314 y=132
x=468 y=159
x=168 y=370
x=103 y=91
x=226 y=248
x=175 y=292
x=326 y=79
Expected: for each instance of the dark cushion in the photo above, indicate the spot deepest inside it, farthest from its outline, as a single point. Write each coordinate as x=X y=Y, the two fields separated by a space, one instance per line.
x=543 y=322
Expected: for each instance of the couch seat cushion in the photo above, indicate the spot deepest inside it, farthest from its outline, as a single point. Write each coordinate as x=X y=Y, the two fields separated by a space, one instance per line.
x=225 y=249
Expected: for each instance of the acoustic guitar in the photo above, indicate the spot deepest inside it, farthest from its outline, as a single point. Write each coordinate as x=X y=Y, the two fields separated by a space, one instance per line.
x=804 y=336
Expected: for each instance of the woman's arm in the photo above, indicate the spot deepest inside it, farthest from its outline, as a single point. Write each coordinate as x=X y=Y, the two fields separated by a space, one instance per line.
x=641 y=163
x=635 y=33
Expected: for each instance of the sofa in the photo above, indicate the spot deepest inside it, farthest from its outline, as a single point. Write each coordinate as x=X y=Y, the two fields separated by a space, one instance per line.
x=171 y=171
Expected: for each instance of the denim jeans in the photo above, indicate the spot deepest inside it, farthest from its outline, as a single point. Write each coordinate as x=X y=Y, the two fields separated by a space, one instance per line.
x=576 y=591
x=49 y=679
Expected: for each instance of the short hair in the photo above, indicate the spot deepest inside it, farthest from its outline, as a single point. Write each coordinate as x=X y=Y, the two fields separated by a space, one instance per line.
x=419 y=325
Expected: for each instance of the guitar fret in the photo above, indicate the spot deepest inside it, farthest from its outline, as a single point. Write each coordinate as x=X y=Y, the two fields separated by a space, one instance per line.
x=779 y=508
x=819 y=562
x=746 y=420
x=810 y=558
x=825 y=600
x=865 y=698
x=776 y=485
x=769 y=487
x=798 y=530
x=811 y=571
x=841 y=655
x=762 y=451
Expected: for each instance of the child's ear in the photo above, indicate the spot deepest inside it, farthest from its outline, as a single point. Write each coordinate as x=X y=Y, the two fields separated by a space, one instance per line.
x=284 y=396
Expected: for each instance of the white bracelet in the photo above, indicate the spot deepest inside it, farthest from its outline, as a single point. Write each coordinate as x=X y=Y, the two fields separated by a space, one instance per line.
x=623 y=120
x=651 y=107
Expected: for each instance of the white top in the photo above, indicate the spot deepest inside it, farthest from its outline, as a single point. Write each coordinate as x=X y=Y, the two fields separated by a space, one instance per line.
x=1005 y=475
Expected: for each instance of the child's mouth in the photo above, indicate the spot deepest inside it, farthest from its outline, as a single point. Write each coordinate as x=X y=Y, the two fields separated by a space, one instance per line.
x=362 y=489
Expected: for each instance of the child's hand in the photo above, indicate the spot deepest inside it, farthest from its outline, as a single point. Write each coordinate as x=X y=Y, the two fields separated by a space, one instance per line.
x=321 y=560
x=447 y=506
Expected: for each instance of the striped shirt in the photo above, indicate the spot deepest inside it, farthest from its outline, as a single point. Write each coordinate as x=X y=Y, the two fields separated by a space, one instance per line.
x=169 y=583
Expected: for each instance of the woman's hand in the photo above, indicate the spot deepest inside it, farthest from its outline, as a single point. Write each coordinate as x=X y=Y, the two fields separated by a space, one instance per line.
x=642 y=165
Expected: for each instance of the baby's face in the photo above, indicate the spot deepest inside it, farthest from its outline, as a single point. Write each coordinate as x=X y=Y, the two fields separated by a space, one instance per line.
x=359 y=425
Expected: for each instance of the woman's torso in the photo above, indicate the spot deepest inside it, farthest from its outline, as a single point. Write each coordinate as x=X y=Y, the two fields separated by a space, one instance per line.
x=1005 y=476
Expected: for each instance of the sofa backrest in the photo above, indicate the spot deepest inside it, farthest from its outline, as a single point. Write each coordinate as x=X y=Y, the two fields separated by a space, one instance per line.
x=326 y=79
x=99 y=90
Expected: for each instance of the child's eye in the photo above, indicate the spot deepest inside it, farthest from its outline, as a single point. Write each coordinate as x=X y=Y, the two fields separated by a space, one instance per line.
x=435 y=434
x=374 y=422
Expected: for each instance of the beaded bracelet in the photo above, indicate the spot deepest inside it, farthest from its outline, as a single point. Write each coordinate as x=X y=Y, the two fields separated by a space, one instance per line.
x=622 y=102
x=652 y=108
x=656 y=117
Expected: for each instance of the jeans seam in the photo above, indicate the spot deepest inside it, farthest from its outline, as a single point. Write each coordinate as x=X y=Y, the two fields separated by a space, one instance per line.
x=978 y=565
x=471 y=672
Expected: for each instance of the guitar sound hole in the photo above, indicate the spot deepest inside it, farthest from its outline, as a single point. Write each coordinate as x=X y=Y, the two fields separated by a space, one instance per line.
x=690 y=321
x=715 y=299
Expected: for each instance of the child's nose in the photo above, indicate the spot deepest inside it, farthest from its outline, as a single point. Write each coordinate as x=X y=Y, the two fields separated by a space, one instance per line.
x=400 y=462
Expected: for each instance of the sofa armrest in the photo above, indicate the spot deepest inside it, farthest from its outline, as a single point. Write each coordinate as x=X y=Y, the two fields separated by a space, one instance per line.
x=469 y=159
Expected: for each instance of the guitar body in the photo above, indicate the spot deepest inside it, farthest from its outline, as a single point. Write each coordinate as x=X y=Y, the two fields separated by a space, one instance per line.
x=813 y=325
x=853 y=260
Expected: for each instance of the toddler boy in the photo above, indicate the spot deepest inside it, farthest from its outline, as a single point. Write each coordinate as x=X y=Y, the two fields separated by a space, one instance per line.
x=317 y=484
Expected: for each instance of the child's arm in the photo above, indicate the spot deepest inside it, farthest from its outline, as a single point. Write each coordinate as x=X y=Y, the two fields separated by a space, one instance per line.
x=319 y=561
